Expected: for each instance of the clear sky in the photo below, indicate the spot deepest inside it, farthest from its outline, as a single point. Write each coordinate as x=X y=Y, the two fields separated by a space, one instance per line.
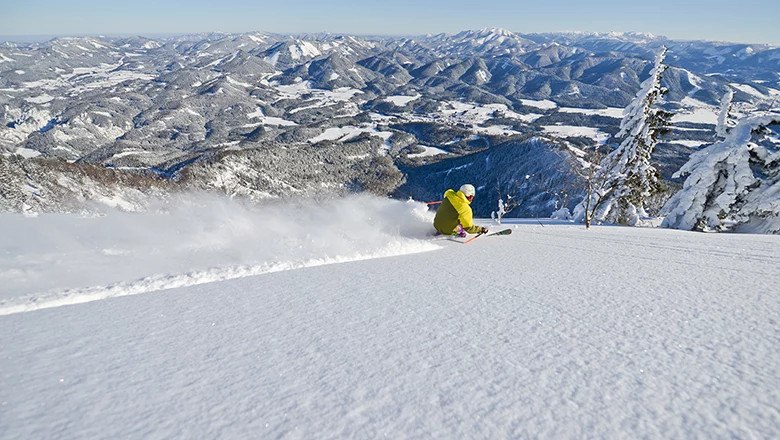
x=752 y=21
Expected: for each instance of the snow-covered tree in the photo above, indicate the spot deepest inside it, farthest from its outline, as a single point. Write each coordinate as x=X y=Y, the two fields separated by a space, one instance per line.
x=733 y=184
x=498 y=215
x=625 y=180
x=725 y=119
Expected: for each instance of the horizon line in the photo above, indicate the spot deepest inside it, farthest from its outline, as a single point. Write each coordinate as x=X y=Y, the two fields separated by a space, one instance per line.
x=37 y=38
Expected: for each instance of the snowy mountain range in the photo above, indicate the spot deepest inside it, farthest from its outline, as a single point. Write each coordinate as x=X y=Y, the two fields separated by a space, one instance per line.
x=264 y=115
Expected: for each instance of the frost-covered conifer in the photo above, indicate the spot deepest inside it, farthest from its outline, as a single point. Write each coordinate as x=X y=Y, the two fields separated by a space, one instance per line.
x=733 y=184
x=625 y=180
x=503 y=208
x=725 y=120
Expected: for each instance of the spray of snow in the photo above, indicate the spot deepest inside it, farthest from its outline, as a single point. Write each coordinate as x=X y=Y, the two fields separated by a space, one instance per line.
x=54 y=260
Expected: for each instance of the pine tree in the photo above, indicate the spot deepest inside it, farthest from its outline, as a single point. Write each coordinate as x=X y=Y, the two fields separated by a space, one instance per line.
x=625 y=181
x=731 y=184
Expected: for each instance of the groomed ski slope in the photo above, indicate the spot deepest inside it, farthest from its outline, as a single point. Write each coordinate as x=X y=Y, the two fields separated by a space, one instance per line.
x=552 y=332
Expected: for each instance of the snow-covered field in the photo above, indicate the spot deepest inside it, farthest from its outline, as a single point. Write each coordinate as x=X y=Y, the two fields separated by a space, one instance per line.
x=428 y=151
x=552 y=332
x=402 y=100
x=575 y=131
x=696 y=112
x=612 y=112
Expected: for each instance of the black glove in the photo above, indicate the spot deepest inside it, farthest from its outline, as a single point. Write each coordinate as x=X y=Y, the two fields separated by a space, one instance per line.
x=483 y=230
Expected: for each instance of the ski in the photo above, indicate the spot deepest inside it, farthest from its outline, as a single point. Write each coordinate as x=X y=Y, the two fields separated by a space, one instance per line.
x=469 y=240
x=502 y=232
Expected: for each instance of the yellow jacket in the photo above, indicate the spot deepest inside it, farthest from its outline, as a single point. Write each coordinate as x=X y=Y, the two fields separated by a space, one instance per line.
x=454 y=210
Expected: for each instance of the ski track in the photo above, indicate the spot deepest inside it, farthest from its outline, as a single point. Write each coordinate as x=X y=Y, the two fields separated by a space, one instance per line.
x=161 y=282
x=551 y=332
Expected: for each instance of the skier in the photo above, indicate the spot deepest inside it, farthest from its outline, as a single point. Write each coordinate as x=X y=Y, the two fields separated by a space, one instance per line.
x=454 y=216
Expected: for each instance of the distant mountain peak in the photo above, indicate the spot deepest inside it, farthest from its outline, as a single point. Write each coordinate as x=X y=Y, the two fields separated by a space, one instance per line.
x=496 y=31
x=495 y=41
x=636 y=36
x=291 y=52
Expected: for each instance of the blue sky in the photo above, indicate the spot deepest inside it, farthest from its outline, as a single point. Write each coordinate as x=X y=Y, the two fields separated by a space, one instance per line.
x=753 y=21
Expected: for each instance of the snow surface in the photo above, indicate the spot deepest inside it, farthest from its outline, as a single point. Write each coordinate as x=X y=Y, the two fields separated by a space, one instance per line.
x=27 y=153
x=40 y=99
x=612 y=112
x=238 y=83
x=401 y=100
x=749 y=90
x=496 y=130
x=342 y=134
x=83 y=79
x=457 y=112
x=268 y=120
x=33 y=119
x=129 y=152
x=689 y=143
x=303 y=49
x=696 y=112
x=428 y=151
x=575 y=131
x=544 y=104
x=315 y=97
x=698 y=115
x=552 y=332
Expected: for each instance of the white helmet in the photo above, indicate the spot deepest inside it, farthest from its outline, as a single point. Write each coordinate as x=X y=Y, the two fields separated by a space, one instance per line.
x=468 y=190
